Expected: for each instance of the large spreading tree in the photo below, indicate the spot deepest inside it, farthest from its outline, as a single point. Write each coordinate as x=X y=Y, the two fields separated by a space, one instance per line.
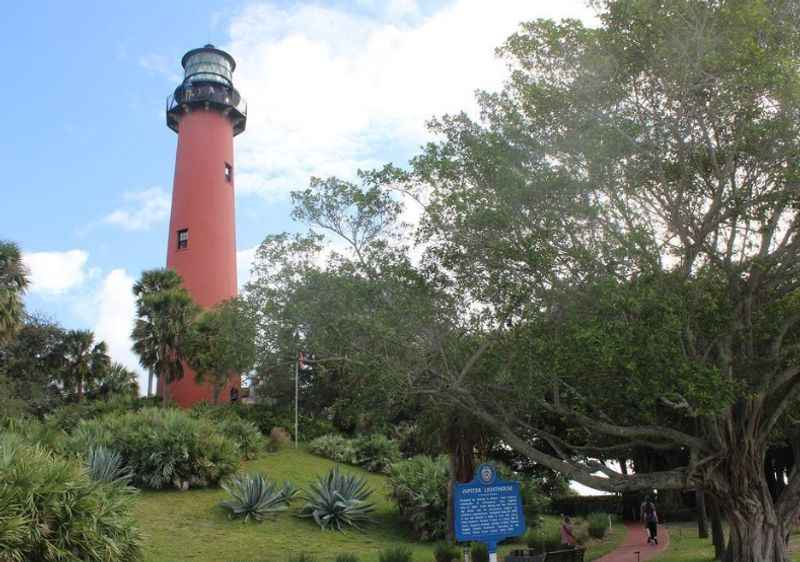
x=608 y=260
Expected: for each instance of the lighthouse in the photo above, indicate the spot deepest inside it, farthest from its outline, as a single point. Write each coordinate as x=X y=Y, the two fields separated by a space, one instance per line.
x=207 y=112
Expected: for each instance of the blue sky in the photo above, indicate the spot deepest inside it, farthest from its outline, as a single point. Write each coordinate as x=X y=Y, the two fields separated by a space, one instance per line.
x=332 y=87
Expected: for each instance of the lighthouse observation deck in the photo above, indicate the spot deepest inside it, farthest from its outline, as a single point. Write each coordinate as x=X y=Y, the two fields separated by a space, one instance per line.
x=207 y=84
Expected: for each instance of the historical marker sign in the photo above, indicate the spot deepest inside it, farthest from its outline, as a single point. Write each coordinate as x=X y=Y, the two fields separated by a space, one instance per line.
x=488 y=510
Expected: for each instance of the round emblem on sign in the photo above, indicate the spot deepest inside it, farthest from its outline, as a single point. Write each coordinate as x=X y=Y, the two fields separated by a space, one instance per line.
x=486 y=473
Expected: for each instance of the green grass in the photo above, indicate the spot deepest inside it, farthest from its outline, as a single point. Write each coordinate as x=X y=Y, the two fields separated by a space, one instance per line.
x=686 y=547
x=190 y=526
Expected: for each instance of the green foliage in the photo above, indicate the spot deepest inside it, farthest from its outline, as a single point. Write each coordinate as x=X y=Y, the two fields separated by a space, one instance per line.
x=52 y=510
x=106 y=465
x=376 y=452
x=245 y=434
x=338 y=500
x=598 y=525
x=221 y=344
x=13 y=283
x=346 y=558
x=396 y=554
x=255 y=496
x=162 y=447
x=446 y=552
x=335 y=447
x=419 y=487
x=543 y=538
x=479 y=552
x=164 y=312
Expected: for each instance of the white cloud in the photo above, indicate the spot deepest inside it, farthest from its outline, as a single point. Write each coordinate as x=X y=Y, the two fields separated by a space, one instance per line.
x=244 y=261
x=54 y=273
x=142 y=210
x=115 y=313
x=330 y=91
x=161 y=65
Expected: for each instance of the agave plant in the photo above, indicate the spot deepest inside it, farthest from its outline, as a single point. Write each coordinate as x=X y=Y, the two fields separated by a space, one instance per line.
x=106 y=465
x=338 y=500
x=255 y=496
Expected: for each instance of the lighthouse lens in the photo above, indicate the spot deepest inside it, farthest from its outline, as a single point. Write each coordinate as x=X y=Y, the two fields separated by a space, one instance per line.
x=208 y=67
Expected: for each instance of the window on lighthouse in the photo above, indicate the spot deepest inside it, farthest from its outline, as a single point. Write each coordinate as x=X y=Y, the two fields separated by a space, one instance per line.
x=228 y=173
x=183 y=238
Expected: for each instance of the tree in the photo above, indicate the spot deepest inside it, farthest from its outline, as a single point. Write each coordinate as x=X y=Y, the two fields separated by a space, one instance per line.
x=83 y=361
x=164 y=312
x=116 y=380
x=31 y=363
x=627 y=213
x=221 y=344
x=13 y=282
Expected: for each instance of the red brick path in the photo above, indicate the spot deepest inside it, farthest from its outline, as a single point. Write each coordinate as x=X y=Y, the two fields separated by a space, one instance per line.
x=636 y=541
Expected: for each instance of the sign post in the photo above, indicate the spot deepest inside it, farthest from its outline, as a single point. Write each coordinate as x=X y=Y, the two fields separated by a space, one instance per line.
x=488 y=510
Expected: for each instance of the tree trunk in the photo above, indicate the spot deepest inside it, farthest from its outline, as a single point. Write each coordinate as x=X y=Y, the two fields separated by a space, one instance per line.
x=702 y=518
x=717 y=532
x=164 y=394
x=149 y=383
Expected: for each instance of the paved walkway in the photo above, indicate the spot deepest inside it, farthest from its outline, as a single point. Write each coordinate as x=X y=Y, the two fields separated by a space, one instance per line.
x=636 y=541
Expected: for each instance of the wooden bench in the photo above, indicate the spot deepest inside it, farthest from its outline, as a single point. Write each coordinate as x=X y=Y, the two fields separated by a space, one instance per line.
x=566 y=555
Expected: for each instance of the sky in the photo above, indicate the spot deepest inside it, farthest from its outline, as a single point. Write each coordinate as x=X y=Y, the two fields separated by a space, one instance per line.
x=332 y=87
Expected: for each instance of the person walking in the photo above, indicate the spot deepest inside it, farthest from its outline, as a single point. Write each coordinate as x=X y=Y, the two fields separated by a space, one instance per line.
x=567 y=536
x=650 y=518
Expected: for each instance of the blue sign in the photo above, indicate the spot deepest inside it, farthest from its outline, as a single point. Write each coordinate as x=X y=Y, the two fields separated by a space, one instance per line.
x=487 y=509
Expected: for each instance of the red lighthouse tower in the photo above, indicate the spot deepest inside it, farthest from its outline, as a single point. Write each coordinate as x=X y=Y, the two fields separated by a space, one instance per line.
x=207 y=112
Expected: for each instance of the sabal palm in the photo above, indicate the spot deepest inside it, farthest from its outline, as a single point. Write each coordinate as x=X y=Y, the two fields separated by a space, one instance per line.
x=164 y=314
x=13 y=282
x=84 y=360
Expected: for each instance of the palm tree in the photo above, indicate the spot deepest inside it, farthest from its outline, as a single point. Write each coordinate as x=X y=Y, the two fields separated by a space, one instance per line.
x=117 y=380
x=83 y=360
x=13 y=282
x=164 y=313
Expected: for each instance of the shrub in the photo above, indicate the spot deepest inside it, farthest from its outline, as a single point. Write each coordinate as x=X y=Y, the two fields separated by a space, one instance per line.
x=334 y=447
x=376 y=452
x=53 y=510
x=598 y=525
x=161 y=447
x=543 y=538
x=479 y=552
x=419 y=488
x=346 y=558
x=243 y=433
x=106 y=465
x=255 y=496
x=338 y=500
x=395 y=554
x=279 y=438
x=445 y=552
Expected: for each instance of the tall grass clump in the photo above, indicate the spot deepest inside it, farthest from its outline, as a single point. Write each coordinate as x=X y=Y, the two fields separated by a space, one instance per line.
x=52 y=510
x=597 y=525
x=395 y=554
x=162 y=448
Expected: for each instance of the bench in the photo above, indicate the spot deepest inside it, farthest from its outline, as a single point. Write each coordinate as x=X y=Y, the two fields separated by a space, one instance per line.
x=566 y=555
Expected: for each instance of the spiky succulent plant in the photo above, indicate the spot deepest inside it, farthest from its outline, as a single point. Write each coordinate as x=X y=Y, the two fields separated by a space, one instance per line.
x=106 y=465
x=338 y=500
x=256 y=496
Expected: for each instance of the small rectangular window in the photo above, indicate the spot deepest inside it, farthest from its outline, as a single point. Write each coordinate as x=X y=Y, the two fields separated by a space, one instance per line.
x=183 y=238
x=228 y=173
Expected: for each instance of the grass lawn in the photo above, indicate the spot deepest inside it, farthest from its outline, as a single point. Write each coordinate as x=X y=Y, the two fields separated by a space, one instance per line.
x=189 y=525
x=686 y=547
